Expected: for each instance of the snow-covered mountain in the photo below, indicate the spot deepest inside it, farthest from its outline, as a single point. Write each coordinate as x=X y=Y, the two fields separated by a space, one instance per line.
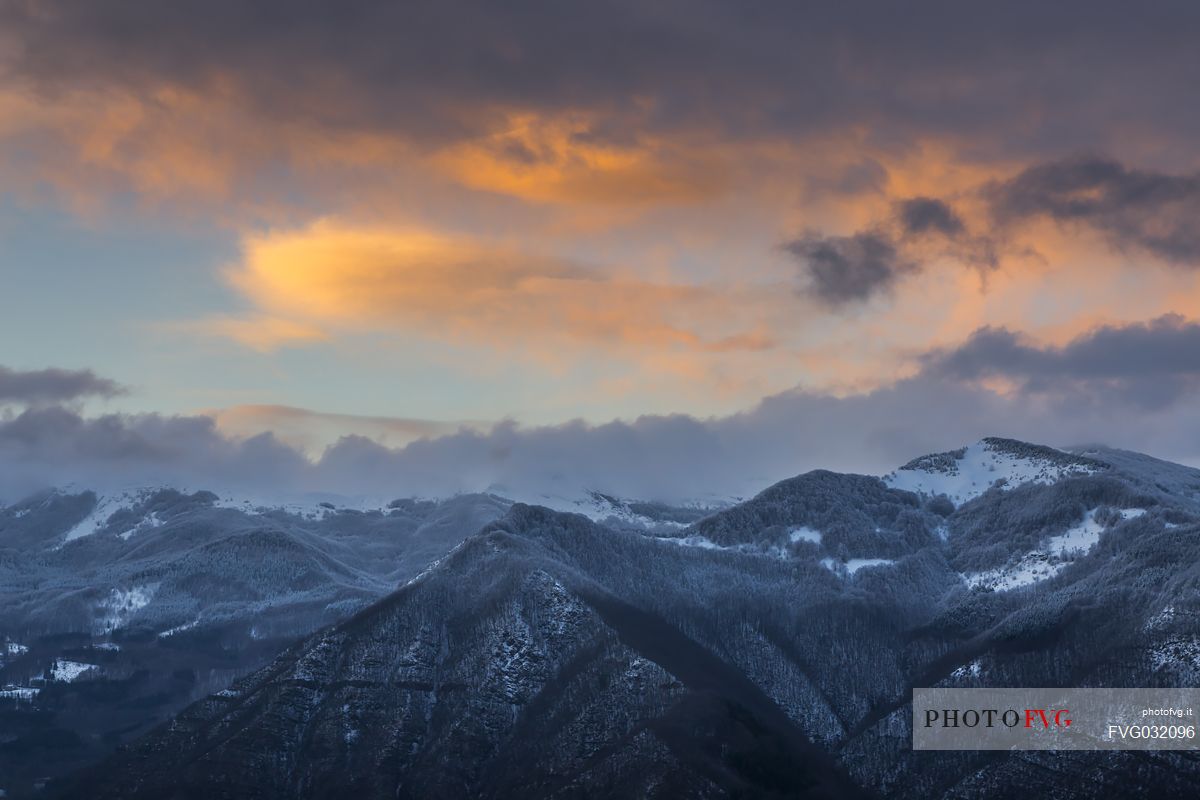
x=766 y=650
x=118 y=610
x=970 y=471
x=619 y=512
x=120 y=607
x=157 y=559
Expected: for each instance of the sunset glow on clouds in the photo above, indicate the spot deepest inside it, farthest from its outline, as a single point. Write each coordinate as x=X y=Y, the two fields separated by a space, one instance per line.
x=333 y=277
x=596 y=212
x=557 y=161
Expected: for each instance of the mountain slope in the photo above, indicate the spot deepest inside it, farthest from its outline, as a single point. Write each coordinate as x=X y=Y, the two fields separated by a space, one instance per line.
x=748 y=655
x=161 y=597
x=442 y=693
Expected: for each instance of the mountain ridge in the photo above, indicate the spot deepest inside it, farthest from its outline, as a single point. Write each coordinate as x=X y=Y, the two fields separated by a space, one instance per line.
x=505 y=640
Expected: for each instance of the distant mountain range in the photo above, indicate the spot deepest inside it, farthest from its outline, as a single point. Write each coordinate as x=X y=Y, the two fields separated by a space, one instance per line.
x=766 y=649
x=119 y=610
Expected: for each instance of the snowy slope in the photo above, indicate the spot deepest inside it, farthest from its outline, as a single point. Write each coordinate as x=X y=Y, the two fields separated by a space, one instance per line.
x=106 y=506
x=1044 y=563
x=968 y=472
x=134 y=501
x=619 y=511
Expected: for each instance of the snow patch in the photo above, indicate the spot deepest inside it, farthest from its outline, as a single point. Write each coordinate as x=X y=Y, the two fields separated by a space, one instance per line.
x=151 y=521
x=1160 y=620
x=1043 y=564
x=351 y=733
x=65 y=671
x=703 y=542
x=745 y=548
x=1182 y=652
x=314 y=506
x=1032 y=568
x=187 y=626
x=972 y=669
x=19 y=693
x=1079 y=539
x=853 y=565
x=804 y=534
x=420 y=576
x=600 y=507
x=315 y=510
x=118 y=608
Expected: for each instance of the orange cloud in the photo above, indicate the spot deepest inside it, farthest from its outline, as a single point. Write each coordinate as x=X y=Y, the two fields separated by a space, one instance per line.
x=332 y=277
x=660 y=336
x=719 y=310
x=559 y=159
x=167 y=141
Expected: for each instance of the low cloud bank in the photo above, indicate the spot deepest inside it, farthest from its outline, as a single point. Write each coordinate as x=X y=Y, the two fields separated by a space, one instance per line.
x=33 y=387
x=1135 y=387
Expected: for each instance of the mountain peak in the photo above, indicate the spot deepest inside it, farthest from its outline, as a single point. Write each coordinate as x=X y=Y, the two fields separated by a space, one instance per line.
x=969 y=471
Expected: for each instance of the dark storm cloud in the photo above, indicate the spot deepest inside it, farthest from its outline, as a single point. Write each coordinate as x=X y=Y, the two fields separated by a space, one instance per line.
x=848 y=269
x=1133 y=209
x=841 y=270
x=1149 y=363
x=921 y=215
x=1138 y=210
x=53 y=386
x=439 y=69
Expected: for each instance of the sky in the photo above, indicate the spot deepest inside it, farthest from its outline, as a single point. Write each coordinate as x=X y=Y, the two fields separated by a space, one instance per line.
x=669 y=249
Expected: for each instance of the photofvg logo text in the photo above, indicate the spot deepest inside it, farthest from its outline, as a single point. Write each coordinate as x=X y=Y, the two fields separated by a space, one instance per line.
x=990 y=717
x=1055 y=719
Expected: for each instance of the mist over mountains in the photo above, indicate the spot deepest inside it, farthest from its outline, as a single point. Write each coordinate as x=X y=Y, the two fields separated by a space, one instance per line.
x=480 y=647
x=1065 y=395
